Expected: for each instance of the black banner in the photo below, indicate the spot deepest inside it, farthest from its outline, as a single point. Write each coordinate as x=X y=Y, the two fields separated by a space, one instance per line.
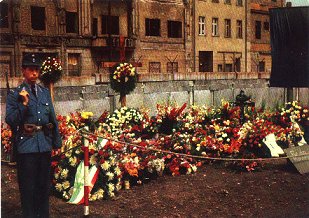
x=289 y=28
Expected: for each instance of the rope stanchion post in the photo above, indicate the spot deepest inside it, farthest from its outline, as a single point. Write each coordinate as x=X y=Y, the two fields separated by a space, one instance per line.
x=86 y=177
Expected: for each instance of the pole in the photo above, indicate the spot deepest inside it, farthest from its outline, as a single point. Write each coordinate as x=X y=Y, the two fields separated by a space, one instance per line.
x=86 y=176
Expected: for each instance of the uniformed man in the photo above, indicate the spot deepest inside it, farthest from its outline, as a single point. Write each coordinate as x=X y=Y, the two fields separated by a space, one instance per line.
x=30 y=112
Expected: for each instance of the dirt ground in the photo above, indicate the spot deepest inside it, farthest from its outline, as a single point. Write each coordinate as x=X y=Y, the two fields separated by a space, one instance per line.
x=214 y=191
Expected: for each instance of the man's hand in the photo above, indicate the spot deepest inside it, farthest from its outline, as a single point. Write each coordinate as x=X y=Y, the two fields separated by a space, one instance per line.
x=25 y=97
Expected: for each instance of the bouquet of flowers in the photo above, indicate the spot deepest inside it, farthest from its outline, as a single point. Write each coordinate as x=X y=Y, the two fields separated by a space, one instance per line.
x=123 y=78
x=51 y=71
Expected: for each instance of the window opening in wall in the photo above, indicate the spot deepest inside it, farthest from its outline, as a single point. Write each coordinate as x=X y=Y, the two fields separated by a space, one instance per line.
x=201 y=25
x=95 y=26
x=152 y=27
x=239 y=3
x=174 y=29
x=4 y=15
x=266 y=26
x=38 y=12
x=239 y=29
x=154 y=67
x=227 y=32
x=172 y=67
x=215 y=1
x=110 y=25
x=205 y=61
x=237 y=66
x=220 y=68
x=71 y=22
x=215 y=29
x=258 y=29
x=74 y=64
x=228 y=68
x=261 y=66
x=227 y=2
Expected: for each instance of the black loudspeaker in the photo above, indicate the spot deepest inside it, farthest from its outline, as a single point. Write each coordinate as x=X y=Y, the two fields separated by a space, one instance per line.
x=289 y=28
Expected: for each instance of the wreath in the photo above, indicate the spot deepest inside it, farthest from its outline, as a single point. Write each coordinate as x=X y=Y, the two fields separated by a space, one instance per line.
x=51 y=71
x=123 y=78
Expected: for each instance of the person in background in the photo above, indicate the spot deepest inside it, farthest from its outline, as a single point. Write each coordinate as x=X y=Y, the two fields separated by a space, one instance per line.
x=29 y=110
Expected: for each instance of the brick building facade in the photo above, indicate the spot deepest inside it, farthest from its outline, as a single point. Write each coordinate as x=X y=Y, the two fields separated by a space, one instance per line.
x=220 y=41
x=163 y=37
x=260 y=34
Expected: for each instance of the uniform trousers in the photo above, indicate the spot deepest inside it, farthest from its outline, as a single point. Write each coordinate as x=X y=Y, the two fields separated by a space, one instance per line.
x=33 y=171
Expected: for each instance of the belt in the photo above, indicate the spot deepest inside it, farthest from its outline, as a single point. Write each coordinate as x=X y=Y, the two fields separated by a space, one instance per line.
x=30 y=129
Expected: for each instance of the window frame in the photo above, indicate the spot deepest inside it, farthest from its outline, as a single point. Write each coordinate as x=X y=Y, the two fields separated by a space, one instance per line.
x=239 y=29
x=227 y=28
x=258 y=32
x=76 y=72
x=38 y=24
x=110 y=21
x=154 y=62
x=171 y=25
x=202 y=26
x=239 y=3
x=73 y=28
x=215 y=26
x=150 y=26
x=5 y=18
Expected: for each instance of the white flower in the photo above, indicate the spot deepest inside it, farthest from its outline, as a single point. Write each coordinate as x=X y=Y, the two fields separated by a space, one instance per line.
x=64 y=173
x=66 y=185
x=110 y=187
x=105 y=166
x=110 y=175
x=58 y=187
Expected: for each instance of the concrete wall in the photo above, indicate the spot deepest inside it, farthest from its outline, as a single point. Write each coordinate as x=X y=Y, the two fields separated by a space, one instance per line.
x=97 y=98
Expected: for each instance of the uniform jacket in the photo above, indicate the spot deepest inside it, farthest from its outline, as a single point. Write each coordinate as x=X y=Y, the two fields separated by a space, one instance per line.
x=39 y=111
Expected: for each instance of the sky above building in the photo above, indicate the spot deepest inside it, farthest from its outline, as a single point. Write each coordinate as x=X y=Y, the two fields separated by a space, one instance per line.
x=299 y=2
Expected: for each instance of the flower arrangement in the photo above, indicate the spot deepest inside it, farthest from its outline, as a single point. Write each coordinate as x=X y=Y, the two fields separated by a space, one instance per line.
x=6 y=142
x=124 y=118
x=51 y=71
x=123 y=78
x=207 y=132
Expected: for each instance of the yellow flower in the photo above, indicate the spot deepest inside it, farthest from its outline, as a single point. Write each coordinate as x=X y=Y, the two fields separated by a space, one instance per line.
x=86 y=115
x=105 y=165
x=66 y=185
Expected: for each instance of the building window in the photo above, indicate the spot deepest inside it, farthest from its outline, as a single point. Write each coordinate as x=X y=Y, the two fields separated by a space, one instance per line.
x=228 y=68
x=274 y=0
x=174 y=29
x=110 y=25
x=74 y=64
x=71 y=22
x=239 y=29
x=266 y=26
x=261 y=66
x=154 y=67
x=201 y=25
x=215 y=1
x=220 y=68
x=239 y=3
x=152 y=27
x=215 y=28
x=172 y=67
x=95 y=26
x=4 y=15
x=237 y=65
x=227 y=31
x=38 y=12
x=258 y=29
x=227 y=2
